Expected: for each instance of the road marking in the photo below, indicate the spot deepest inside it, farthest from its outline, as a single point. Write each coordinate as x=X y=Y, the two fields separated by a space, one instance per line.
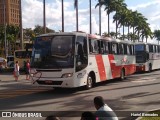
x=144 y=80
x=20 y=92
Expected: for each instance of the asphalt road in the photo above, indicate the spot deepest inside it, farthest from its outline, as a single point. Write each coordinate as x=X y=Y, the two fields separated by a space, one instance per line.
x=139 y=92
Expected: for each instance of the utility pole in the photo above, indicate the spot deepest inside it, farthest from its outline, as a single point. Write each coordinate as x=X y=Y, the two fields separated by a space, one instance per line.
x=5 y=40
x=90 y=7
x=62 y=17
x=100 y=20
x=21 y=26
x=44 y=15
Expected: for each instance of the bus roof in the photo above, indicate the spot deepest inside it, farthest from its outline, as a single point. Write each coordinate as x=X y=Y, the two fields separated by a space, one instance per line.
x=137 y=43
x=117 y=40
x=72 y=33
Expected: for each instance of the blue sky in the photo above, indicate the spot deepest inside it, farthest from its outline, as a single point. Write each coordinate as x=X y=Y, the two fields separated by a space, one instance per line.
x=33 y=14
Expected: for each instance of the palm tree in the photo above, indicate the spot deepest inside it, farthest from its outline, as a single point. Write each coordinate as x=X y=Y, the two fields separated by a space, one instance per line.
x=120 y=17
x=141 y=25
x=99 y=16
x=76 y=7
x=118 y=6
x=157 y=35
x=108 y=7
x=62 y=17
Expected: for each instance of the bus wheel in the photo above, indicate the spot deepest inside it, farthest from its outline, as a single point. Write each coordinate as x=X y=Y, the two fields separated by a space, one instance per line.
x=89 y=83
x=122 y=74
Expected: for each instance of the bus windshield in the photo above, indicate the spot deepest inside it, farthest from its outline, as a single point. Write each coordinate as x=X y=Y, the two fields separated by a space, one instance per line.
x=139 y=47
x=53 y=52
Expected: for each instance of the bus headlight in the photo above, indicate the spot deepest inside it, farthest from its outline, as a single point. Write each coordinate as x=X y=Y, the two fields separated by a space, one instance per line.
x=66 y=75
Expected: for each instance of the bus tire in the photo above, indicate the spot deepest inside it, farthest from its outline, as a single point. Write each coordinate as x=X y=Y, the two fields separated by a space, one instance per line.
x=122 y=77
x=89 y=84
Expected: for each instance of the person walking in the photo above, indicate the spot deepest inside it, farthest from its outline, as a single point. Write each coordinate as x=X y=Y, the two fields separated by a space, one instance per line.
x=27 y=70
x=104 y=112
x=16 y=70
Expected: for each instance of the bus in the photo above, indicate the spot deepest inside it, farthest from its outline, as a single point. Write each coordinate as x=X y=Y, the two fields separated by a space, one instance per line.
x=75 y=59
x=22 y=56
x=10 y=61
x=147 y=57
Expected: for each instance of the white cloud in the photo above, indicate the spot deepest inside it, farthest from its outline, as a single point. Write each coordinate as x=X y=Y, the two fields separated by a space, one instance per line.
x=33 y=15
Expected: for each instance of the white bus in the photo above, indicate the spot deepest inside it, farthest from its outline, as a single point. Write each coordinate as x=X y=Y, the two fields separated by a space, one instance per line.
x=78 y=59
x=147 y=57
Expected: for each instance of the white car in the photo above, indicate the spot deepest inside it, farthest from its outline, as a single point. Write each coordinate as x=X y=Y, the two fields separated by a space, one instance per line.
x=3 y=62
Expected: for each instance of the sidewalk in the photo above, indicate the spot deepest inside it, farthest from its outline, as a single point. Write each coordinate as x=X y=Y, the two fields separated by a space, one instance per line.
x=10 y=77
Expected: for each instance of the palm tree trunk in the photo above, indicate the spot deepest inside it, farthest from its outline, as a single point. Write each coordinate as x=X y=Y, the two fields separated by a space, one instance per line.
x=138 y=36
x=62 y=17
x=146 y=40
x=99 y=20
x=108 y=26
x=128 y=31
x=90 y=17
x=76 y=6
x=123 y=32
x=116 y=25
x=44 y=16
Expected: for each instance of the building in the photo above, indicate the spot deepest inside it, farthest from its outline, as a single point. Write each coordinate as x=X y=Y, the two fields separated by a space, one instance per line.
x=12 y=13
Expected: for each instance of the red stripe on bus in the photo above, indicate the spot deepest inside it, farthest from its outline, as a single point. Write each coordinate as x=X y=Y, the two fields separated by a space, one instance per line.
x=101 y=68
x=112 y=65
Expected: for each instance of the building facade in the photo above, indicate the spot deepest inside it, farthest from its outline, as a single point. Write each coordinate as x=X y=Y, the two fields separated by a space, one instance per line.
x=12 y=13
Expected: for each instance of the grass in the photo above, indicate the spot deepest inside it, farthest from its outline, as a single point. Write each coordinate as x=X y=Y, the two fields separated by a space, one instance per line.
x=150 y=117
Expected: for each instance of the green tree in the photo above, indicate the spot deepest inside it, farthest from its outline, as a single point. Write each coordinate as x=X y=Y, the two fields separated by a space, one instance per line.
x=38 y=30
x=157 y=35
x=108 y=8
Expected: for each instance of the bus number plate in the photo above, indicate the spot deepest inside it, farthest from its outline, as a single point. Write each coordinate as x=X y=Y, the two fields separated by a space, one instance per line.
x=48 y=82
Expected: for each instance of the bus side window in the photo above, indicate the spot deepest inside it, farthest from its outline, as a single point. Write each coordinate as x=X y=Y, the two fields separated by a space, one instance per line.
x=128 y=50
x=121 y=49
x=93 y=46
x=158 y=49
x=147 y=48
x=114 y=48
x=106 y=47
x=102 y=47
x=81 y=53
x=125 y=49
x=150 y=48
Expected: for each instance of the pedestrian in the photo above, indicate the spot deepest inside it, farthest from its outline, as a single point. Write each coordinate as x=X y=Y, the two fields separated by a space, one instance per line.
x=16 y=70
x=88 y=116
x=104 y=112
x=52 y=117
x=27 y=70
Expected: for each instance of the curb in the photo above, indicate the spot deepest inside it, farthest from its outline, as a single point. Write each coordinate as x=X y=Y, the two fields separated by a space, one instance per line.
x=148 y=111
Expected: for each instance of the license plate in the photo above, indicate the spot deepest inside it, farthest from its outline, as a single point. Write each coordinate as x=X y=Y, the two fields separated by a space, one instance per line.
x=48 y=82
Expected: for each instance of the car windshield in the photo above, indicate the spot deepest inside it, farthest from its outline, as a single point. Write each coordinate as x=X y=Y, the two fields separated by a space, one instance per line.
x=52 y=52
